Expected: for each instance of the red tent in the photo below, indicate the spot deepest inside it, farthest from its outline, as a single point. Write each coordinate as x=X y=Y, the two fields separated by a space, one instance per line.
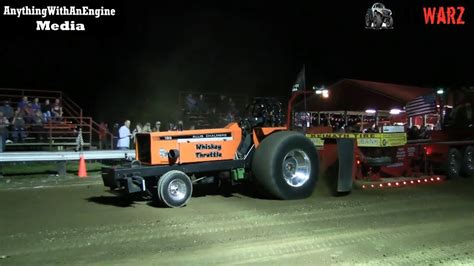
x=360 y=95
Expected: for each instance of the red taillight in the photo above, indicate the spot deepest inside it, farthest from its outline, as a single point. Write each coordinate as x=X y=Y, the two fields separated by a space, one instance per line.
x=428 y=150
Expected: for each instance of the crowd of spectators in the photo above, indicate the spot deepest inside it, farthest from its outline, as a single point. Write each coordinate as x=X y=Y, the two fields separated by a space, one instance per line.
x=26 y=117
x=197 y=111
x=122 y=134
x=207 y=111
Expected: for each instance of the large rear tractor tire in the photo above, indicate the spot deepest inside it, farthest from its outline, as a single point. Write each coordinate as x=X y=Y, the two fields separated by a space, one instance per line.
x=467 y=168
x=286 y=165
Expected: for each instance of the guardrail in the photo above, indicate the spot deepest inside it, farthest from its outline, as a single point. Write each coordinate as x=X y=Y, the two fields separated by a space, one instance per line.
x=66 y=156
x=62 y=157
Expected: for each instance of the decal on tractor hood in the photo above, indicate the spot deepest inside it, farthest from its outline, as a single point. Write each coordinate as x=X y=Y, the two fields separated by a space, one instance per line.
x=208 y=151
x=200 y=137
x=208 y=147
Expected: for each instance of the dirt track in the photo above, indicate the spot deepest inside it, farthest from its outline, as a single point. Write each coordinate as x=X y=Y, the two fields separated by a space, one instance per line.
x=430 y=224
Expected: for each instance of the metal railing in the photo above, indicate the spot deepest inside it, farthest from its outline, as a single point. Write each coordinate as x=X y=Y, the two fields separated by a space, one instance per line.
x=56 y=133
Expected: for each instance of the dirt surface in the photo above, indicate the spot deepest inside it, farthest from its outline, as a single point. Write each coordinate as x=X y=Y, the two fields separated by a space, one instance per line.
x=84 y=224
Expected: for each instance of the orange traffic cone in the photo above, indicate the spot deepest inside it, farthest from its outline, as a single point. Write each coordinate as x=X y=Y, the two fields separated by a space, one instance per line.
x=82 y=167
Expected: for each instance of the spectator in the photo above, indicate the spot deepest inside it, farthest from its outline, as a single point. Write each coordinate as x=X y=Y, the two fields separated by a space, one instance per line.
x=79 y=139
x=157 y=126
x=22 y=104
x=103 y=135
x=115 y=133
x=57 y=110
x=7 y=110
x=37 y=125
x=46 y=110
x=36 y=105
x=214 y=119
x=18 y=123
x=124 y=136
x=29 y=113
x=231 y=106
x=423 y=133
x=138 y=129
x=222 y=106
x=229 y=117
x=4 y=123
x=180 y=126
x=190 y=103
x=147 y=127
x=202 y=105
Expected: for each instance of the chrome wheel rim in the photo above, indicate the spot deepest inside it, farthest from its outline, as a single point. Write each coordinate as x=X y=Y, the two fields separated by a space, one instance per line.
x=177 y=189
x=296 y=168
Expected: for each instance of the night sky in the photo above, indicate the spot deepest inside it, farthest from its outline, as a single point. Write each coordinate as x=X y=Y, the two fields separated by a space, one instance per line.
x=134 y=64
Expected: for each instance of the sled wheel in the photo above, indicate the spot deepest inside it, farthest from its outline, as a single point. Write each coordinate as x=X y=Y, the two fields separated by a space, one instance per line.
x=453 y=164
x=468 y=162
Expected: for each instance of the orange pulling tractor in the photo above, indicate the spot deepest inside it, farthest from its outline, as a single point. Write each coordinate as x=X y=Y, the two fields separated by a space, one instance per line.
x=284 y=163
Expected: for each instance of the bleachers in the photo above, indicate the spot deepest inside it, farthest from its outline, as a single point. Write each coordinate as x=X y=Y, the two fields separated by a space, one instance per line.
x=57 y=134
x=199 y=117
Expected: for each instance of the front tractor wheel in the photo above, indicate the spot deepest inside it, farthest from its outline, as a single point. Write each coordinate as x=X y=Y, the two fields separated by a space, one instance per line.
x=286 y=165
x=175 y=189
